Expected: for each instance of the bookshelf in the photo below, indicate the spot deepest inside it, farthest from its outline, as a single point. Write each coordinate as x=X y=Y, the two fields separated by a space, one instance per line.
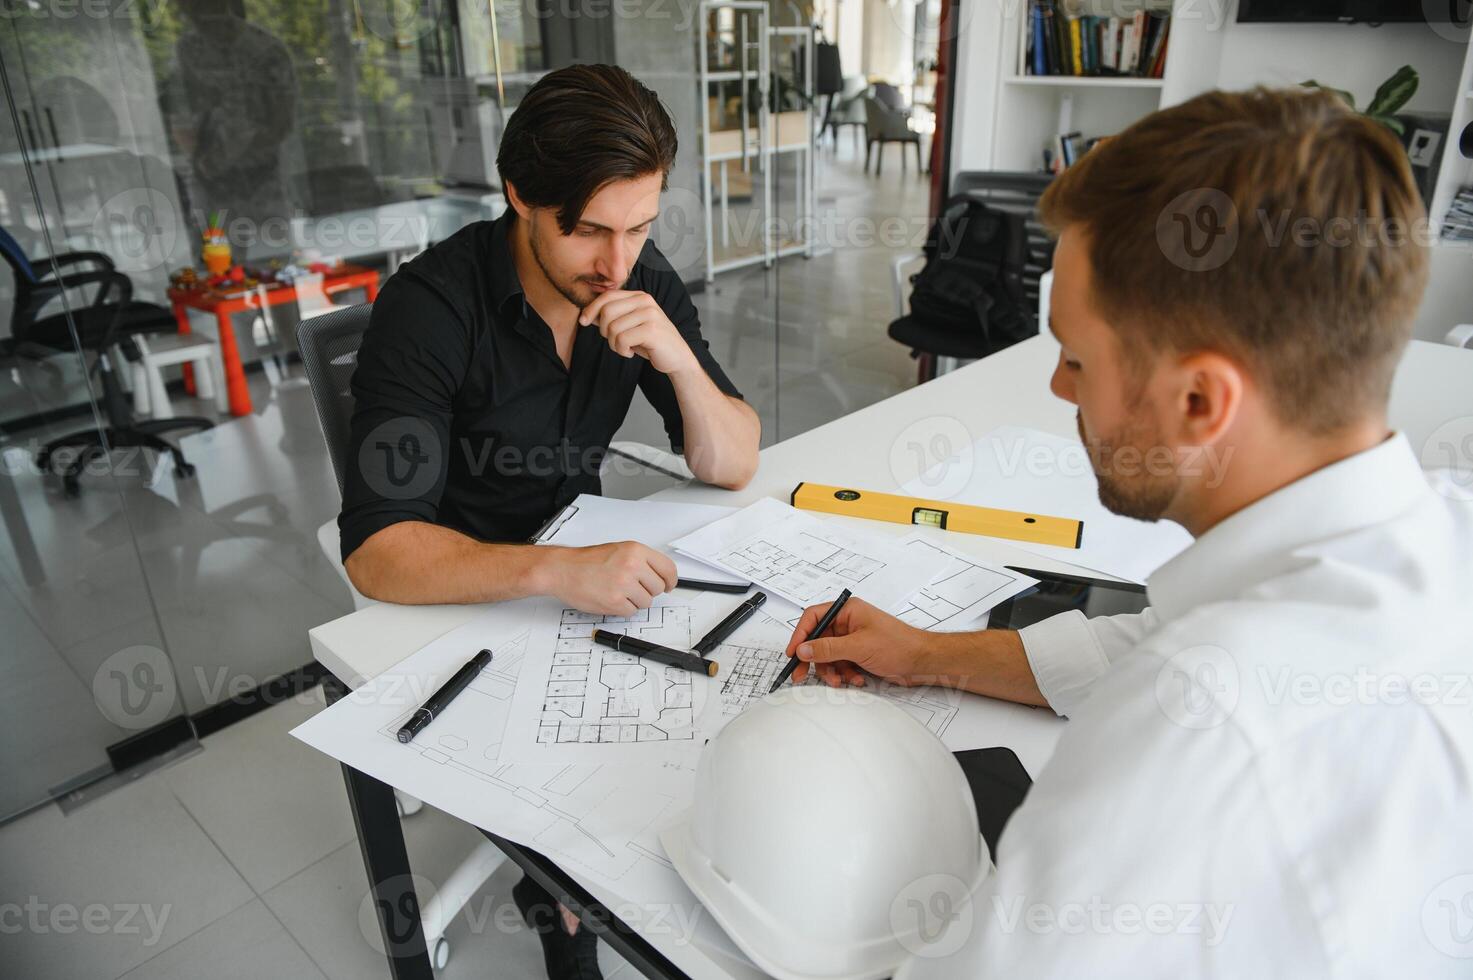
x=1028 y=110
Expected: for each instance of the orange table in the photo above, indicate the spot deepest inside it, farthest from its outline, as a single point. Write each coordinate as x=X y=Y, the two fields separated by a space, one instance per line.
x=224 y=304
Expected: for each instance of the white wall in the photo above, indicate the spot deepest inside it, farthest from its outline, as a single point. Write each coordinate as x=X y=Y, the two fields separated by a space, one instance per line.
x=1354 y=57
x=888 y=40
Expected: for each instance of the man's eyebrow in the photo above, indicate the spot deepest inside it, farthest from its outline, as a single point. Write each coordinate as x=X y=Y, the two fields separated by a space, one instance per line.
x=598 y=227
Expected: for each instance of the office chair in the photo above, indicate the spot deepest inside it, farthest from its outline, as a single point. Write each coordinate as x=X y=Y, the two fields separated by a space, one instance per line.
x=1012 y=192
x=883 y=124
x=329 y=344
x=113 y=319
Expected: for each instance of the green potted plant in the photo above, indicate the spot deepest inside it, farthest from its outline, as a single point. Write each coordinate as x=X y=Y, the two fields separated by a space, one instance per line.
x=1394 y=93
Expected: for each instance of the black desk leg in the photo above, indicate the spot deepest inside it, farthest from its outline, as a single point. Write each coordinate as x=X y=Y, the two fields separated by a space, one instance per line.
x=386 y=860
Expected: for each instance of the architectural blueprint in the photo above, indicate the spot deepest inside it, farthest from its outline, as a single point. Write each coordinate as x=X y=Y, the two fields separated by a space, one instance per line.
x=578 y=702
x=748 y=669
x=600 y=822
x=963 y=591
x=806 y=559
x=594 y=694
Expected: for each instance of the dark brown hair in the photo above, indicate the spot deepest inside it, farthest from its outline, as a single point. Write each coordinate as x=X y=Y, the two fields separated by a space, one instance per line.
x=578 y=129
x=1308 y=262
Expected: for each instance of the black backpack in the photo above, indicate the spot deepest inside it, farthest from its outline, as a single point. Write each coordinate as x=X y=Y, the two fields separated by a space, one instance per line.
x=972 y=283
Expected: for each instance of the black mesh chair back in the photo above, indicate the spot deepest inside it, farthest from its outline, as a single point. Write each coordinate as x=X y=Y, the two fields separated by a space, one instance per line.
x=1016 y=192
x=329 y=347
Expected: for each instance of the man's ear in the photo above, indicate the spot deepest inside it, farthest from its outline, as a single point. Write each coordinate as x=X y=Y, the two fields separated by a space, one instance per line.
x=1209 y=395
x=515 y=200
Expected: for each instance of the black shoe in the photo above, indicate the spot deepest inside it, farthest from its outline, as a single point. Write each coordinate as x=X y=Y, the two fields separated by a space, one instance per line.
x=566 y=957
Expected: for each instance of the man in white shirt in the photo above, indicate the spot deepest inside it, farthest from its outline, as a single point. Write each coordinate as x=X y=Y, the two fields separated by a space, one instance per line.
x=1270 y=771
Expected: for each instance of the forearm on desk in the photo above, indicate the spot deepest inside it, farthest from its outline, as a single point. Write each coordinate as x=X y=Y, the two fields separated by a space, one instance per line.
x=722 y=433
x=988 y=662
x=417 y=563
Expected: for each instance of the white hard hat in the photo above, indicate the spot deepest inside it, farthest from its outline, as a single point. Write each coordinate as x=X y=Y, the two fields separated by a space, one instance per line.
x=832 y=835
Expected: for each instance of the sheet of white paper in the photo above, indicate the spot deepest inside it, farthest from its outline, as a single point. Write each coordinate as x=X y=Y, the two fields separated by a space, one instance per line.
x=591 y=520
x=596 y=822
x=1023 y=469
x=962 y=593
x=806 y=559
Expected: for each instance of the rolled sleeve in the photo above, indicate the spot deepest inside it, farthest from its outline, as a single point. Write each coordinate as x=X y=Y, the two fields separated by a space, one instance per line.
x=412 y=362
x=1070 y=651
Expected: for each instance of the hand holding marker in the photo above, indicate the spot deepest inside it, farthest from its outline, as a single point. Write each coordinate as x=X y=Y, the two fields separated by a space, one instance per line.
x=823 y=624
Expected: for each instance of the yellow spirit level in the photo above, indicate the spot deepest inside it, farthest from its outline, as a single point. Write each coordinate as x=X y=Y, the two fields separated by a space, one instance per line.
x=1011 y=524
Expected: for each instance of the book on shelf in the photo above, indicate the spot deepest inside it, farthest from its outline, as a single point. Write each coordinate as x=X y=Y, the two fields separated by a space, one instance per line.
x=1057 y=42
x=1064 y=150
x=1457 y=225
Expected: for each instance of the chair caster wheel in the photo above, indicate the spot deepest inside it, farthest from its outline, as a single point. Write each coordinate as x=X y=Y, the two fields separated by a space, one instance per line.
x=440 y=954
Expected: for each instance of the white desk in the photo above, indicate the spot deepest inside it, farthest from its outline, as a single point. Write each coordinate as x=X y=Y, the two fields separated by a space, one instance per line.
x=869 y=449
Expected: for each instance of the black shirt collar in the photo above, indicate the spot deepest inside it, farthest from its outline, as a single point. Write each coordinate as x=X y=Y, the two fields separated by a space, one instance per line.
x=505 y=283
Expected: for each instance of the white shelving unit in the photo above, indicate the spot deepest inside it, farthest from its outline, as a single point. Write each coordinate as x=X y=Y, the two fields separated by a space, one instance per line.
x=1029 y=110
x=755 y=148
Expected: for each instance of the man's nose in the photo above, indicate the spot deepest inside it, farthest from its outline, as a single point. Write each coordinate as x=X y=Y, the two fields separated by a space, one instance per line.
x=614 y=263
x=1061 y=384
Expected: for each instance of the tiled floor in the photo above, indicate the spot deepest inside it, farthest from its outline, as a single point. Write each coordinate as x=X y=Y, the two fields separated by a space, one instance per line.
x=239 y=861
x=244 y=853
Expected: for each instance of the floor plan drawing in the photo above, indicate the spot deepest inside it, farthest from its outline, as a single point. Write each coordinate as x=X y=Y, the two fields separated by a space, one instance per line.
x=962 y=591
x=581 y=702
x=600 y=820
x=595 y=694
x=753 y=670
x=801 y=568
x=804 y=559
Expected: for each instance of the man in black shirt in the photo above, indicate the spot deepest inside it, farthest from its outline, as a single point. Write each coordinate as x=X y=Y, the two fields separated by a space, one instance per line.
x=498 y=365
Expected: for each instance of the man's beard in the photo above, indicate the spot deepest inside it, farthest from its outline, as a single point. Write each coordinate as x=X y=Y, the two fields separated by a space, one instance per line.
x=1137 y=493
x=570 y=289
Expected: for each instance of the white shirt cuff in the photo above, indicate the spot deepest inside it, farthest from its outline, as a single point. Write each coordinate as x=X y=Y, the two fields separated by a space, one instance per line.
x=1065 y=657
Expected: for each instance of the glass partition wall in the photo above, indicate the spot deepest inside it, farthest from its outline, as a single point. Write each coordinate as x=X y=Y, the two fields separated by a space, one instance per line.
x=203 y=160
x=230 y=166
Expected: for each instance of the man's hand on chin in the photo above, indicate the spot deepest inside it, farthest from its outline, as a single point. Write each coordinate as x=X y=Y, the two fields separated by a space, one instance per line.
x=633 y=323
